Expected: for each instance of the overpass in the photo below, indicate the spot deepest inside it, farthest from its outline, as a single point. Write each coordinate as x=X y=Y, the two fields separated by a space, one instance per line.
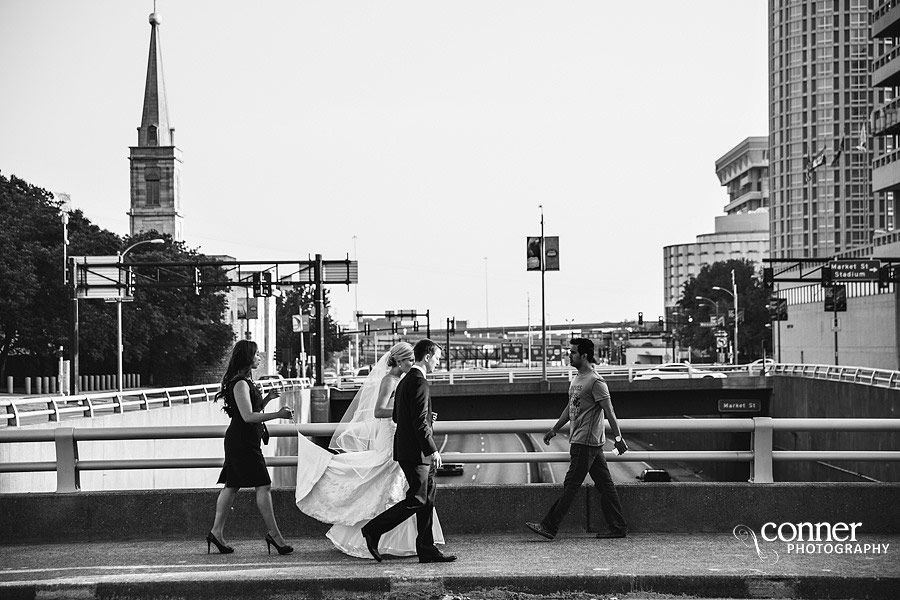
x=682 y=535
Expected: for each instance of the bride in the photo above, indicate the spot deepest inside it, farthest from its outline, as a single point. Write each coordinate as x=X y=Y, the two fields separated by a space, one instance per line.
x=349 y=488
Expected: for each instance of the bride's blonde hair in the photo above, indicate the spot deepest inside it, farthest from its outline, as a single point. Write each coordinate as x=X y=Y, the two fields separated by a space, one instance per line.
x=400 y=351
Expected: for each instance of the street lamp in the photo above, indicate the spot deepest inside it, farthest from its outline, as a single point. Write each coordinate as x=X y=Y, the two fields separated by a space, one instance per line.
x=119 y=346
x=711 y=302
x=734 y=295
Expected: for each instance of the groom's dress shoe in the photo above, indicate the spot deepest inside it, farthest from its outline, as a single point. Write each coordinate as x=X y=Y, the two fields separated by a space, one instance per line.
x=372 y=545
x=431 y=558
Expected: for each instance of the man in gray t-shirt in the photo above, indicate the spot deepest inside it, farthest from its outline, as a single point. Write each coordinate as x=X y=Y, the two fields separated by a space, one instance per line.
x=589 y=403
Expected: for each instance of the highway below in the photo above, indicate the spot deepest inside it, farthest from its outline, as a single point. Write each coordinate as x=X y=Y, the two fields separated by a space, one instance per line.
x=519 y=473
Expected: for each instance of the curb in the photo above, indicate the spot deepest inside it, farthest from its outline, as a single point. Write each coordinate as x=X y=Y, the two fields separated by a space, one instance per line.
x=715 y=586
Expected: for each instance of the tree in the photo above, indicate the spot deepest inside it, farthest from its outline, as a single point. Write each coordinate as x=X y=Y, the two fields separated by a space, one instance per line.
x=302 y=300
x=173 y=333
x=170 y=332
x=752 y=301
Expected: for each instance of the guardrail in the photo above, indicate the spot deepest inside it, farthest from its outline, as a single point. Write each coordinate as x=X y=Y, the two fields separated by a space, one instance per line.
x=88 y=405
x=760 y=454
x=861 y=375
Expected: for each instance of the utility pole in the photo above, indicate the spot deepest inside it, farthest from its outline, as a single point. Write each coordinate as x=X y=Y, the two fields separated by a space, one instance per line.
x=543 y=297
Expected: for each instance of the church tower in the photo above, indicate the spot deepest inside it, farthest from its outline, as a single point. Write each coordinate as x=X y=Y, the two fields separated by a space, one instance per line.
x=155 y=161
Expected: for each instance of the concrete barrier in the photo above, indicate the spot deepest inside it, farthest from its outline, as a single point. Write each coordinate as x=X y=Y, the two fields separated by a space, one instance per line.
x=663 y=507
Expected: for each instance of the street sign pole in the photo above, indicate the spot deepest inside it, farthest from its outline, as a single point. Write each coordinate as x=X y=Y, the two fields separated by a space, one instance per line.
x=543 y=309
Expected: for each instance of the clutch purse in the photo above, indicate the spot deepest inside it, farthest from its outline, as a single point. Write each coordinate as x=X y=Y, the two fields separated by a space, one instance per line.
x=264 y=433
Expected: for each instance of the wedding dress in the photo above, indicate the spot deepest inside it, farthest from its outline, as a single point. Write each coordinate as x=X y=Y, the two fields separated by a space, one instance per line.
x=350 y=488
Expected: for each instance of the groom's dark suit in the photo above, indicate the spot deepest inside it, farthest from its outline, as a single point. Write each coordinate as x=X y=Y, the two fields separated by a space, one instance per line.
x=413 y=443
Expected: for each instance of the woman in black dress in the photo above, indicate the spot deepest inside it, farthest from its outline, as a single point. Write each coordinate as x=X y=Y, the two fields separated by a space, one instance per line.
x=245 y=465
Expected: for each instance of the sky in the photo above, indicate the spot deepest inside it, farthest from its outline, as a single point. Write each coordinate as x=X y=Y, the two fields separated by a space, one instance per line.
x=426 y=140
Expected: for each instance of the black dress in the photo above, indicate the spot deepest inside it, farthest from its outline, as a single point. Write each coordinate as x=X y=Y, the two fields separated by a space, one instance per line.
x=245 y=465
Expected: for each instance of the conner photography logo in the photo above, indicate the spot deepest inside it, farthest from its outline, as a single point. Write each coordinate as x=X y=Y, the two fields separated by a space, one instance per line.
x=805 y=538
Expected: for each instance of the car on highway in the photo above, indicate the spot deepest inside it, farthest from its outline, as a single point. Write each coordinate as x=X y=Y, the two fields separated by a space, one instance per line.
x=761 y=366
x=269 y=377
x=678 y=371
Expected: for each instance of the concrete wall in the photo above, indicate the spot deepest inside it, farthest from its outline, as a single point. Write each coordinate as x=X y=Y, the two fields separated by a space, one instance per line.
x=867 y=336
x=199 y=413
x=819 y=399
x=668 y=507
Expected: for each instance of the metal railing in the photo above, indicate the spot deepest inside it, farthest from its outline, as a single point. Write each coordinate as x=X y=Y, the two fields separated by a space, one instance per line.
x=89 y=405
x=859 y=375
x=760 y=454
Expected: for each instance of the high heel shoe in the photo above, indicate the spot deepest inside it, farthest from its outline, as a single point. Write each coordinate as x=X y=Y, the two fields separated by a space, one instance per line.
x=211 y=540
x=286 y=549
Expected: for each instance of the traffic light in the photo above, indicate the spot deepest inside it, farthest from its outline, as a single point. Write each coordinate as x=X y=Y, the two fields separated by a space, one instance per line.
x=129 y=282
x=662 y=323
x=768 y=276
x=640 y=318
x=827 y=277
x=366 y=328
x=884 y=277
x=415 y=325
x=262 y=284
x=197 y=281
x=451 y=324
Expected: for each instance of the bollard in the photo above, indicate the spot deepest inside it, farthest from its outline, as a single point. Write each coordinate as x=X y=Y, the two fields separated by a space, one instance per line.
x=38 y=386
x=9 y=384
x=47 y=385
x=28 y=386
x=52 y=385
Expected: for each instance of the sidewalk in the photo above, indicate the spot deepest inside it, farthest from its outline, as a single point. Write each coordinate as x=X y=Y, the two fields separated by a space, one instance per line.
x=702 y=565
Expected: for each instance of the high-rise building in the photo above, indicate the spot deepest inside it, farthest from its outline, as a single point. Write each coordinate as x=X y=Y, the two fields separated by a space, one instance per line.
x=742 y=232
x=820 y=103
x=155 y=161
x=886 y=120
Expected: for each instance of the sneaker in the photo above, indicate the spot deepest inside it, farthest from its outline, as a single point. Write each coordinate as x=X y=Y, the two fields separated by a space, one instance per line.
x=611 y=535
x=539 y=529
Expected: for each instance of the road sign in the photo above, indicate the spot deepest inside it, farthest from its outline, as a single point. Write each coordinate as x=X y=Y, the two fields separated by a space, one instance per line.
x=836 y=298
x=299 y=323
x=740 y=406
x=98 y=277
x=855 y=270
x=778 y=310
x=512 y=352
x=721 y=338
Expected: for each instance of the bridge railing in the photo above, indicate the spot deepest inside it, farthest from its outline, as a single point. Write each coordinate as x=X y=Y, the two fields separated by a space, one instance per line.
x=861 y=375
x=89 y=405
x=760 y=454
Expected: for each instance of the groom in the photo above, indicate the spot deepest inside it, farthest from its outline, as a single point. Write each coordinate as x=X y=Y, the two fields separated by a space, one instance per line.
x=414 y=449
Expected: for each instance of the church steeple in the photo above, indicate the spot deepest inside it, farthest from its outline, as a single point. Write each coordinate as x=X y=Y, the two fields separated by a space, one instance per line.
x=154 y=129
x=155 y=161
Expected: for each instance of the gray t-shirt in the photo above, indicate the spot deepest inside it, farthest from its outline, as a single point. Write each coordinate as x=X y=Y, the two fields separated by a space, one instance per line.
x=586 y=392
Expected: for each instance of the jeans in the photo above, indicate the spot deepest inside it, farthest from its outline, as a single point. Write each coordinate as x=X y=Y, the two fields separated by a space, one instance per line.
x=584 y=460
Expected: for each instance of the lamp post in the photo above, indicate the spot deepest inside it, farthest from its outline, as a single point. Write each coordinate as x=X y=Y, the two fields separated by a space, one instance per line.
x=119 y=346
x=715 y=305
x=734 y=295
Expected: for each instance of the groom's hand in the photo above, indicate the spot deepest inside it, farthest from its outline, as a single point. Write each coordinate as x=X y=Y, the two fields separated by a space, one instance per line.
x=436 y=460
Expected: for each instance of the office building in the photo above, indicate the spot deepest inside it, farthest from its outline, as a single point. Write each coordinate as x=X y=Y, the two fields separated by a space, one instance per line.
x=820 y=102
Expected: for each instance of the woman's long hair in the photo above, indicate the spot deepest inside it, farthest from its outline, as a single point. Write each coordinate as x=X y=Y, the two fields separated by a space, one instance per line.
x=238 y=366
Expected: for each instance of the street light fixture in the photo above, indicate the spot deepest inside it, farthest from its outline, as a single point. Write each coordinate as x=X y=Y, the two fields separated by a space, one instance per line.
x=711 y=302
x=119 y=346
x=734 y=294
